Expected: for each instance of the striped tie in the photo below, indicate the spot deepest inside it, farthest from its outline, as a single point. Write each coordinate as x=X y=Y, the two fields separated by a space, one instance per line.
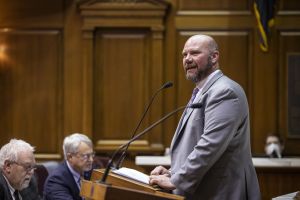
x=195 y=91
x=16 y=195
x=194 y=94
x=79 y=182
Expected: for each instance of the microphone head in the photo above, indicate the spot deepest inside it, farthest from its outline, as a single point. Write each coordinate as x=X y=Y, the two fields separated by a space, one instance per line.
x=167 y=85
x=195 y=105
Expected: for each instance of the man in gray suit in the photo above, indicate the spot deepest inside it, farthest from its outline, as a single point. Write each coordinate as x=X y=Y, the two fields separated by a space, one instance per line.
x=210 y=150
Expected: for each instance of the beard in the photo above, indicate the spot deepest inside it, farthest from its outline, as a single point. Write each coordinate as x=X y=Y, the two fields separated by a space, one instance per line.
x=24 y=184
x=201 y=73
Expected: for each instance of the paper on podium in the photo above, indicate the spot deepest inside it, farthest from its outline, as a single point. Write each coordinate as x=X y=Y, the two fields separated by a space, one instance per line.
x=132 y=174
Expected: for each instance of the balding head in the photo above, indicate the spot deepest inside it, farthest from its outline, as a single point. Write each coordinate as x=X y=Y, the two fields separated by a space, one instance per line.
x=200 y=57
x=205 y=40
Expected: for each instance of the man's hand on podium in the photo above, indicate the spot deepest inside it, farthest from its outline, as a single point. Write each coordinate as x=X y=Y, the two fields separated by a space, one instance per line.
x=162 y=181
x=160 y=170
x=161 y=176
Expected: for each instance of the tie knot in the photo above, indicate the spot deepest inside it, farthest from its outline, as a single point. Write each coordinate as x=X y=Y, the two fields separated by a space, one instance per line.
x=195 y=91
x=16 y=195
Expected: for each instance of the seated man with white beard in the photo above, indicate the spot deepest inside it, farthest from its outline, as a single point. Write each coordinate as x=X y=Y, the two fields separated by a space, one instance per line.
x=65 y=181
x=17 y=165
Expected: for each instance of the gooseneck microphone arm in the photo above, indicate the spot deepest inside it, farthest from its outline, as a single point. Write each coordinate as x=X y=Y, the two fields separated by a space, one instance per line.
x=121 y=158
x=109 y=165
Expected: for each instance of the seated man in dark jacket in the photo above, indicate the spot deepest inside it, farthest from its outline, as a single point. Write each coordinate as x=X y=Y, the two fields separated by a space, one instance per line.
x=64 y=182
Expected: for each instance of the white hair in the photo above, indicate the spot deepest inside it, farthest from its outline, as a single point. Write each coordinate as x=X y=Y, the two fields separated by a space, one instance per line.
x=72 y=142
x=11 y=150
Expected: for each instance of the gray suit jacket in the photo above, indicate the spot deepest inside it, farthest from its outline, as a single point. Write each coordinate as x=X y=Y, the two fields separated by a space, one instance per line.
x=210 y=151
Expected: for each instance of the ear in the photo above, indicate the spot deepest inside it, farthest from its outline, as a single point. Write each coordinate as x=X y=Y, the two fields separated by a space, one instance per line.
x=7 y=166
x=69 y=156
x=215 y=57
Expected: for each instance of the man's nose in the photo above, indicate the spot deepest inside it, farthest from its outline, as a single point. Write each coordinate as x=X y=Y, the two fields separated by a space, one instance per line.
x=91 y=158
x=31 y=172
x=188 y=58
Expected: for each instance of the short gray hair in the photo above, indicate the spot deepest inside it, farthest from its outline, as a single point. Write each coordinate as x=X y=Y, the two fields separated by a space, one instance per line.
x=11 y=150
x=72 y=142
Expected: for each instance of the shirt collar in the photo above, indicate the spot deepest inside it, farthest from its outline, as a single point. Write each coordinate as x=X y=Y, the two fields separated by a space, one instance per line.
x=75 y=174
x=11 y=189
x=207 y=80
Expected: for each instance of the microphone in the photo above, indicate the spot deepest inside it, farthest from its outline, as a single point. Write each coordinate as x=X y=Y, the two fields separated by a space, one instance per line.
x=121 y=158
x=109 y=165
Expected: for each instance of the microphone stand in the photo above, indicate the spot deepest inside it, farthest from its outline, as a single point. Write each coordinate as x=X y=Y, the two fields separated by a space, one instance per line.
x=109 y=165
x=122 y=157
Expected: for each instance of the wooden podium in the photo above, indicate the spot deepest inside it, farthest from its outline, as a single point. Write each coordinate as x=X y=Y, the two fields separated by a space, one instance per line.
x=118 y=187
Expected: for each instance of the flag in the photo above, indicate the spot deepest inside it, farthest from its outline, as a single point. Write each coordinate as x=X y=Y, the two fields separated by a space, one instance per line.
x=264 y=13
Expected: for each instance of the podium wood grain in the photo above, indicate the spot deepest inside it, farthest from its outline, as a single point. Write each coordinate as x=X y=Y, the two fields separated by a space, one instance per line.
x=131 y=186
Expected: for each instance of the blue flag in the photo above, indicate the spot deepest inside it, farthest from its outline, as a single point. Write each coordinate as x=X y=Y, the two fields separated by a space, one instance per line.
x=264 y=12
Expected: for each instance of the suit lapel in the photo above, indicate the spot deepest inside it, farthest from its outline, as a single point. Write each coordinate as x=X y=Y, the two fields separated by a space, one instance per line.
x=186 y=115
x=211 y=81
x=6 y=192
x=184 y=118
x=71 y=180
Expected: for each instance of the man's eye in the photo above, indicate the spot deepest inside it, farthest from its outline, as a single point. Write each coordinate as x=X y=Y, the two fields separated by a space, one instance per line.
x=28 y=166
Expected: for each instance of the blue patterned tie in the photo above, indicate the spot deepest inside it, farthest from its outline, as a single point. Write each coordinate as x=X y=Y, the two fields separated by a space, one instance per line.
x=195 y=91
x=79 y=182
x=194 y=94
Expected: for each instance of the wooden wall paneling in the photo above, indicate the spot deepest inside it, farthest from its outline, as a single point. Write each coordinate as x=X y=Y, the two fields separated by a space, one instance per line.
x=170 y=71
x=156 y=80
x=214 y=20
x=73 y=71
x=289 y=41
x=6 y=75
x=127 y=78
x=87 y=65
x=124 y=55
x=32 y=13
x=32 y=79
x=119 y=74
x=289 y=5
x=214 y=4
x=264 y=111
x=293 y=94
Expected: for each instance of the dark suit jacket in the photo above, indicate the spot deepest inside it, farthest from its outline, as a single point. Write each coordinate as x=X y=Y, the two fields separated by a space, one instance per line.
x=4 y=190
x=60 y=185
x=29 y=193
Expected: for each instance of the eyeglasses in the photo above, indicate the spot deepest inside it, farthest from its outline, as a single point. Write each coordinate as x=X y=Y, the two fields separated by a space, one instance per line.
x=27 y=167
x=86 y=156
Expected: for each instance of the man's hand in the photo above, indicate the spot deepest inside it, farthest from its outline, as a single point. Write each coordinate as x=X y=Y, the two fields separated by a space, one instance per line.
x=160 y=170
x=162 y=180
